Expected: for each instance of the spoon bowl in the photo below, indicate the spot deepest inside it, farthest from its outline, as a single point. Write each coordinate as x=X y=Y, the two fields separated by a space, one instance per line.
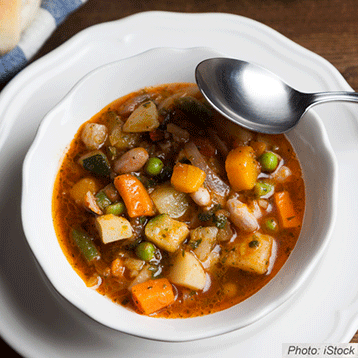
x=254 y=97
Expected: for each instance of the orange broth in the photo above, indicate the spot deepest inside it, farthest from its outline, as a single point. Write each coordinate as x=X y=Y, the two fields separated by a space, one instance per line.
x=225 y=285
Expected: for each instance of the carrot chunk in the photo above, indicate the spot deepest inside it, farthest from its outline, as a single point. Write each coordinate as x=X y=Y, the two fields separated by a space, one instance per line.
x=187 y=178
x=152 y=295
x=134 y=195
x=286 y=211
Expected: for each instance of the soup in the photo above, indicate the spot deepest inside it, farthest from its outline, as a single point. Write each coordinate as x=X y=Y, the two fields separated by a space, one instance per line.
x=170 y=210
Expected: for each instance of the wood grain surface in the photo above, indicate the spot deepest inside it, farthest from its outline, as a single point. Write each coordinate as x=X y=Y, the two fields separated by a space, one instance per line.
x=326 y=27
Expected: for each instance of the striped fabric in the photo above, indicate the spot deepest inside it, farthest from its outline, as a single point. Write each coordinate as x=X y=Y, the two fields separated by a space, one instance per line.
x=49 y=16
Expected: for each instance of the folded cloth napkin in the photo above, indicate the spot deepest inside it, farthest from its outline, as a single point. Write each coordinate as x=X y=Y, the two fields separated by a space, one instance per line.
x=48 y=17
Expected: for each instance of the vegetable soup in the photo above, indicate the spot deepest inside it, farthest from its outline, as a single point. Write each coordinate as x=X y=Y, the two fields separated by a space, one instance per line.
x=167 y=208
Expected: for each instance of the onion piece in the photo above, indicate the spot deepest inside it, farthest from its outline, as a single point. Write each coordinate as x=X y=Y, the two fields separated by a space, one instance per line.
x=220 y=145
x=212 y=180
x=192 y=90
x=180 y=135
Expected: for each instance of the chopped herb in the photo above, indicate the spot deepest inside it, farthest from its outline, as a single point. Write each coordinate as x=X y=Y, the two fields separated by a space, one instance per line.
x=195 y=244
x=205 y=216
x=125 y=301
x=209 y=215
x=254 y=243
x=220 y=221
x=142 y=220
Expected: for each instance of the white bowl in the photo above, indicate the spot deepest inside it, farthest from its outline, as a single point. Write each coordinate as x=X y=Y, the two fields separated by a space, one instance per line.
x=89 y=96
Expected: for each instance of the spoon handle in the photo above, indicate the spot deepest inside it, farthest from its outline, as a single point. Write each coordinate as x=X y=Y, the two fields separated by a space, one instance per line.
x=320 y=97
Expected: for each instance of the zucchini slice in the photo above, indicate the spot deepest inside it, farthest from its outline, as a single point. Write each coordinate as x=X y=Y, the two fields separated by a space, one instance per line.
x=96 y=162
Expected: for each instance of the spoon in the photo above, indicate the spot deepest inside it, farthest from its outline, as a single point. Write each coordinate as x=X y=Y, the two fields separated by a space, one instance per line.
x=254 y=97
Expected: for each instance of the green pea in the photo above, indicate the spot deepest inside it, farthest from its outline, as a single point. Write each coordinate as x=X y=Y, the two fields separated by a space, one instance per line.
x=154 y=166
x=271 y=225
x=262 y=188
x=145 y=251
x=268 y=161
x=115 y=209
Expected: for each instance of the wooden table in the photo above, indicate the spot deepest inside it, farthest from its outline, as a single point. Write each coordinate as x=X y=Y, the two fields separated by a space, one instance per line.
x=326 y=27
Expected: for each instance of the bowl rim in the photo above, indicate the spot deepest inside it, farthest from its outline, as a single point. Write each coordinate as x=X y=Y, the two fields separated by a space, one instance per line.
x=151 y=334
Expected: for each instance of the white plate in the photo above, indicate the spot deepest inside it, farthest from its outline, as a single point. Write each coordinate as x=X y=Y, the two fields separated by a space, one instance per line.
x=37 y=322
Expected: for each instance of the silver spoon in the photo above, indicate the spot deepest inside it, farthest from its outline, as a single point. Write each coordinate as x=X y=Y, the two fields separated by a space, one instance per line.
x=256 y=98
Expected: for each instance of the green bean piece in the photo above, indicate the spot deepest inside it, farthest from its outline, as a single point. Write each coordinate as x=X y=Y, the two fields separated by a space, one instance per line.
x=115 y=209
x=271 y=225
x=268 y=161
x=102 y=200
x=145 y=251
x=261 y=188
x=154 y=166
x=85 y=245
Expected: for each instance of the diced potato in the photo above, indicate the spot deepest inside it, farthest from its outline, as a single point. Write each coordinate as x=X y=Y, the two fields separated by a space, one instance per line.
x=230 y=289
x=113 y=228
x=187 y=271
x=94 y=135
x=202 y=240
x=251 y=253
x=134 y=266
x=226 y=233
x=166 y=232
x=79 y=190
x=143 y=119
x=122 y=140
x=144 y=275
x=170 y=201
x=213 y=258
